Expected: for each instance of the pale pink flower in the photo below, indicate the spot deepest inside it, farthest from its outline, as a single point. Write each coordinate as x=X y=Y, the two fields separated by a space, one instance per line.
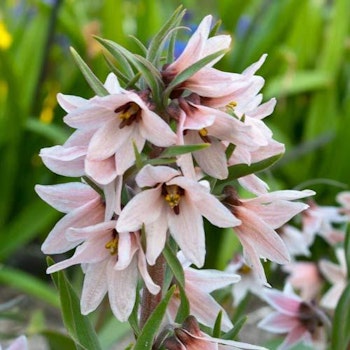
x=337 y=276
x=119 y=121
x=250 y=280
x=82 y=205
x=112 y=262
x=320 y=219
x=199 y=124
x=260 y=217
x=176 y=203
x=300 y=320
x=190 y=337
x=20 y=343
x=69 y=159
x=207 y=81
x=198 y=286
x=343 y=198
x=296 y=241
x=304 y=277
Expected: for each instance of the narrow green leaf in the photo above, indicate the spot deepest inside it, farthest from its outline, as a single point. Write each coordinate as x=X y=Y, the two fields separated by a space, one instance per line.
x=176 y=267
x=150 y=329
x=239 y=170
x=191 y=70
x=157 y=40
x=138 y=157
x=347 y=250
x=233 y=333
x=139 y=44
x=341 y=322
x=161 y=161
x=58 y=341
x=90 y=77
x=52 y=132
x=217 y=326
x=149 y=72
x=78 y=325
x=28 y=284
x=34 y=218
x=173 y=151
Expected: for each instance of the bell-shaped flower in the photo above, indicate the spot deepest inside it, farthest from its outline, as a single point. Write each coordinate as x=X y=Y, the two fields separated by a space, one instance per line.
x=260 y=217
x=299 y=320
x=118 y=122
x=198 y=286
x=82 y=205
x=337 y=276
x=190 y=337
x=112 y=262
x=19 y=343
x=305 y=278
x=249 y=282
x=177 y=203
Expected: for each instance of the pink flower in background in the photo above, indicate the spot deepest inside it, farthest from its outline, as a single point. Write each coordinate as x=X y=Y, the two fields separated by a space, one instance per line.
x=304 y=277
x=296 y=241
x=260 y=217
x=176 y=203
x=20 y=343
x=198 y=286
x=299 y=320
x=112 y=262
x=320 y=219
x=343 y=198
x=337 y=276
x=250 y=281
x=190 y=337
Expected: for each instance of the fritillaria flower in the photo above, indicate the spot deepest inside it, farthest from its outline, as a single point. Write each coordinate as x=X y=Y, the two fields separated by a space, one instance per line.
x=301 y=321
x=337 y=276
x=260 y=217
x=20 y=343
x=82 y=205
x=249 y=282
x=177 y=203
x=190 y=337
x=119 y=121
x=304 y=277
x=112 y=262
x=198 y=286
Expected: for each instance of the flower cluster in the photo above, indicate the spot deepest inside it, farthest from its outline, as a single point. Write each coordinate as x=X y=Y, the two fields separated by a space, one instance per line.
x=157 y=156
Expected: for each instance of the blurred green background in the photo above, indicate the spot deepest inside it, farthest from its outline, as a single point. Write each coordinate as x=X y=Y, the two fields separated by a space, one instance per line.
x=307 y=70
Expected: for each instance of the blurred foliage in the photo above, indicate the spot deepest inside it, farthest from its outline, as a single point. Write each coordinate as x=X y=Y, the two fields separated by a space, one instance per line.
x=308 y=70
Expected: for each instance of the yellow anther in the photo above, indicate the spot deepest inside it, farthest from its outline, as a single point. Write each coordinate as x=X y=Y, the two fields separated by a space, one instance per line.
x=173 y=196
x=129 y=112
x=112 y=245
x=203 y=132
x=245 y=269
x=232 y=104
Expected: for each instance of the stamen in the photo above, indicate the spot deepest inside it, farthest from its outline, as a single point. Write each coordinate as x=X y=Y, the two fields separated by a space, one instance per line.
x=244 y=269
x=203 y=132
x=172 y=195
x=128 y=113
x=112 y=245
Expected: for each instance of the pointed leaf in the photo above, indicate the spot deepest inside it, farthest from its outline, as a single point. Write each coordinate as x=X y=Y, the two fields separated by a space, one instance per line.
x=189 y=71
x=157 y=40
x=90 y=77
x=150 y=329
x=78 y=325
x=217 y=326
x=173 y=151
x=341 y=322
x=233 y=333
x=239 y=170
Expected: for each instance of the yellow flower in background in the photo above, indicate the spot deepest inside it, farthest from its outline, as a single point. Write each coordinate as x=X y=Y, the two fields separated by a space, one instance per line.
x=5 y=37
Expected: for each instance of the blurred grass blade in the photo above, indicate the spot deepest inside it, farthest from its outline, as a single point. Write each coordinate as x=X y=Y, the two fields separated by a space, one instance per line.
x=90 y=77
x=28 y=284
x=35 y=217
x=173 y=151
x=78 y=325
x=341 y=322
